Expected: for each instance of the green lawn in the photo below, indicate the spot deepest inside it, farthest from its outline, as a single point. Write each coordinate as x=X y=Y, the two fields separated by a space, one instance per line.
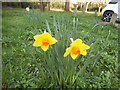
x=19 y=67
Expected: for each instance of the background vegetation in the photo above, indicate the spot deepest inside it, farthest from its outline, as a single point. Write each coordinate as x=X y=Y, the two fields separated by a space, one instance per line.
x=90 y=6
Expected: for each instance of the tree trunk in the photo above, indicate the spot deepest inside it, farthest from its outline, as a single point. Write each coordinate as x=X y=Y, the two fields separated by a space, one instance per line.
x=48 y=6
x=99 y=9
x=86 y=7
x=20 y=5
x=67 y=6
x=42 y=5
x=81 y=5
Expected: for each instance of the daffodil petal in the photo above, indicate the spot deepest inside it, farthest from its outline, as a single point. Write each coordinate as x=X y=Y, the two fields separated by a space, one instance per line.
x=84 y=52
x=86 y=46
x=45 y=48
x=37 y=37
x=74 y=56
x=77 y=42
x=47 y=35
x=53 y=41
x=67 y=52
x=36 y=43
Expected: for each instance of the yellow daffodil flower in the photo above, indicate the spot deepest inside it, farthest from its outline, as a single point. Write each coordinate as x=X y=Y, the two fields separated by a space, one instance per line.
x=27 y=9
x=99 y=13
x=44 y=40
x=77 y=47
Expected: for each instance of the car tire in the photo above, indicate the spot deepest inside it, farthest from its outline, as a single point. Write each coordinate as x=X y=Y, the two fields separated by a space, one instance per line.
x=107 y=16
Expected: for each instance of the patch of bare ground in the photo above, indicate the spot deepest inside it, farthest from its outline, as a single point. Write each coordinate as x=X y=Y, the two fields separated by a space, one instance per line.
x=116 y=24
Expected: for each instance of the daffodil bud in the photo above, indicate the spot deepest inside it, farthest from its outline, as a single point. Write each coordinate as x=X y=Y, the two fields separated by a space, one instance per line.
x=44 y=31
x=71 y=39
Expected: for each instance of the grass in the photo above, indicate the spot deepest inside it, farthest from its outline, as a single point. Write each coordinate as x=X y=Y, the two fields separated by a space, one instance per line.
x=19 y=67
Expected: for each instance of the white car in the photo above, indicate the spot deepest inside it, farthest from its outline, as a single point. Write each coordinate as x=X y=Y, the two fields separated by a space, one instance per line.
x=109 y=9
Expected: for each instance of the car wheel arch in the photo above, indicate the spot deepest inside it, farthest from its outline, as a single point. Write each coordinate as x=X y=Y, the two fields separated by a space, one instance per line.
x=108 y=11
x=108 y=17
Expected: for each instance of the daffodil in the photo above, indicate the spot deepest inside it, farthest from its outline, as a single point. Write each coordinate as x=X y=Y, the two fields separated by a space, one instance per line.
x=27 y=9
x=44 y=41
x=99 y=13
x=77 y=47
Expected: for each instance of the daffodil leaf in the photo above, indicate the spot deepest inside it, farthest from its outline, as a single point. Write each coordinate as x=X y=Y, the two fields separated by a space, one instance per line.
x=95 y=25
x=81 y=72
x=48 y=28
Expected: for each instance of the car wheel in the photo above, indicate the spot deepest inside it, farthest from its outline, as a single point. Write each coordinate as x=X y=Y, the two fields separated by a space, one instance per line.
x=107 y=16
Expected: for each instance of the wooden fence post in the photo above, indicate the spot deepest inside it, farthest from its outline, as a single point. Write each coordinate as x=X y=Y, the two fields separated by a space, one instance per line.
x=95 y=12
x=83 y=9
x=113 y=19
x=75 y=9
